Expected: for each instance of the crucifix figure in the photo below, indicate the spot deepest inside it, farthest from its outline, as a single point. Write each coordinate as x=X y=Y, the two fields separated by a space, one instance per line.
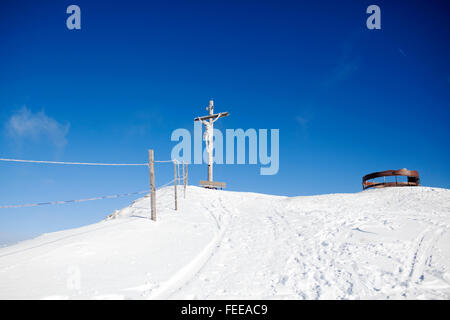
x=208 y=122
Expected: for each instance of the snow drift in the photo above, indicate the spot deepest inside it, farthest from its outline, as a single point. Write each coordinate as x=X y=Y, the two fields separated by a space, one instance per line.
x=391 y=243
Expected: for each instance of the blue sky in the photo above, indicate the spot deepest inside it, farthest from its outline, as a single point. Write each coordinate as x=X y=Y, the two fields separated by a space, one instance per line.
x=344 y=97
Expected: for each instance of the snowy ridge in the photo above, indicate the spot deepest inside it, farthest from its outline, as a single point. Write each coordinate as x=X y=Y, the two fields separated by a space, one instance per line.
x=391 y=243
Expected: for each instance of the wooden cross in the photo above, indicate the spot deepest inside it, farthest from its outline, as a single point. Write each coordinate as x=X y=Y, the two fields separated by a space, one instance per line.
x=208 y=122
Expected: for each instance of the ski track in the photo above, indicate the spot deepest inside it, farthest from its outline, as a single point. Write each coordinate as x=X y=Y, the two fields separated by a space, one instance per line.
x=320 y=259
x=192 y=271
x=378 y=244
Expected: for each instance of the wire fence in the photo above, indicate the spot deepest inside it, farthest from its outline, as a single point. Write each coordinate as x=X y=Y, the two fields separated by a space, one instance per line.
x=72 y=201
x=77 y=163
x=178 y=178
x=87 y=163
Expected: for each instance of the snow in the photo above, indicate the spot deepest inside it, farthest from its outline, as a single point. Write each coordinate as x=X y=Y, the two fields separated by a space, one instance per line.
x=391 y=243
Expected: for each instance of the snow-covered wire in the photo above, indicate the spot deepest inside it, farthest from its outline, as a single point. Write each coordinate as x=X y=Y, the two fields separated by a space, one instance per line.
x=166 y=184
x=81 y=200
x=72 y=201
x=85 y=163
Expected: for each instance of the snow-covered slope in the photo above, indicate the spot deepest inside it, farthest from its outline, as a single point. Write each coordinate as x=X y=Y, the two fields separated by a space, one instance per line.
x=388 y=243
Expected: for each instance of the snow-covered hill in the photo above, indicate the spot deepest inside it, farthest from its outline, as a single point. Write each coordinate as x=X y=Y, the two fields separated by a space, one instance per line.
x=388 y=243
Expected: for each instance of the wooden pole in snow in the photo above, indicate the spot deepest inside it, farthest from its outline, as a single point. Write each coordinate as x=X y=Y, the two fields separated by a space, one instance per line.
x=187 y=175
x=151 y=164
x=175 y=183
x=184 y=177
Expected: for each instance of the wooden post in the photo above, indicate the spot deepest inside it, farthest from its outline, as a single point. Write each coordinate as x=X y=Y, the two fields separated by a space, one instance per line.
x=187 y=175
x=151 y=164
x=184 y=177
x=175 y=183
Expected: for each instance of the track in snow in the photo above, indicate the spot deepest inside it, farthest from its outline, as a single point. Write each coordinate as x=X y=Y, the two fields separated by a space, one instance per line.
x=303 y=248
x=391 y=243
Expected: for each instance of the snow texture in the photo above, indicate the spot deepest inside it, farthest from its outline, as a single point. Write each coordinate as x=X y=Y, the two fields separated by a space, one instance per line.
x=391 y=243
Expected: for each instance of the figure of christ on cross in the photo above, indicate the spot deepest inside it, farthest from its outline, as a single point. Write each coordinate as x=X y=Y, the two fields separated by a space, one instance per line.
x=208 y=137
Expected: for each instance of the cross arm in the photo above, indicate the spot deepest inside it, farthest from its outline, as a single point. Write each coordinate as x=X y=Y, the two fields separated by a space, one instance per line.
x=217 y=116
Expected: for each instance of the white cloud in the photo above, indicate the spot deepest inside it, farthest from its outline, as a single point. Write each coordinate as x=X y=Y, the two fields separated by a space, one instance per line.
x=343 y=71
x=347 y=64
x=26 y=125
x=302 y=121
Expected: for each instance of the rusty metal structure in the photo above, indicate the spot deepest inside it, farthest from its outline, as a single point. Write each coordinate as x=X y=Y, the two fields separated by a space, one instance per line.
x=413 y=179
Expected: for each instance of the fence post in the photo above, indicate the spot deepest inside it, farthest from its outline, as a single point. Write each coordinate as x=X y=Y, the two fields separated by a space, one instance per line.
x=175 y=183
x=151 y=164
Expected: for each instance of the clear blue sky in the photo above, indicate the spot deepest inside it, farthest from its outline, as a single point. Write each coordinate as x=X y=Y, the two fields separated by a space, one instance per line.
x=344 y=97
